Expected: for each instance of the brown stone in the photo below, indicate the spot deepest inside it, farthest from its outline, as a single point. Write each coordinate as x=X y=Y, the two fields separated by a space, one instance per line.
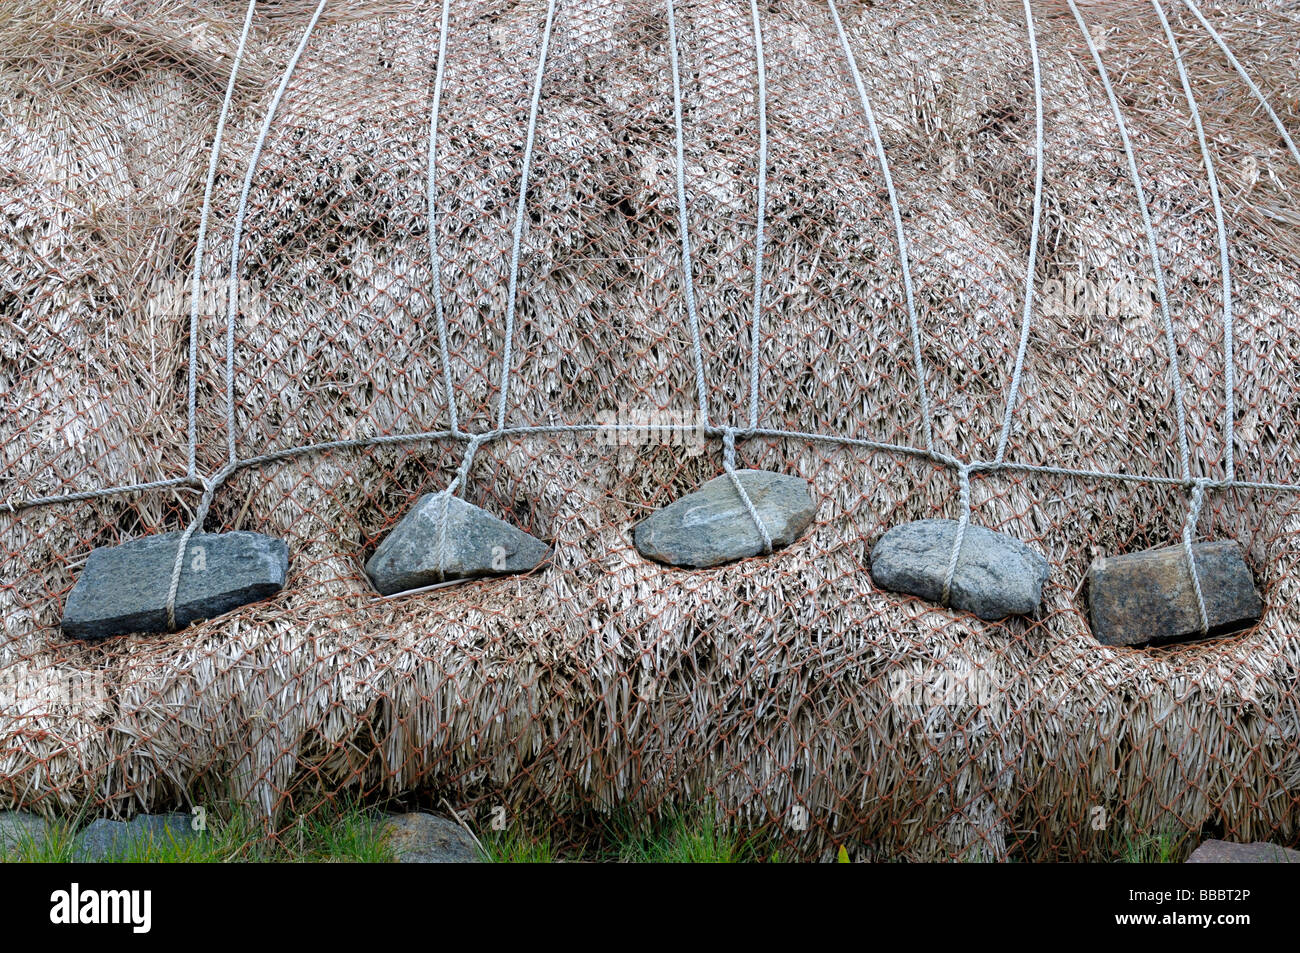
x=1226 y=852
x=1148 y=596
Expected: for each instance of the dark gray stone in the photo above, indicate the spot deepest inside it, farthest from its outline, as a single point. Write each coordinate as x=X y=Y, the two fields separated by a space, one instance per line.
x=1148 y=596
x=1226 y=852
x=476 y=544
x=124 y=588
x=426 y=839
x=18 y=828
x=712 y=526
x=104 y=838
x=997 y=575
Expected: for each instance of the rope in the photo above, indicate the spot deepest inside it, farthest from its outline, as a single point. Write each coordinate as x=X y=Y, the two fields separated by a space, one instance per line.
x=1250 y=83
x=192 y=415
x=1014 y=390
x=200 y=514
x=688 y=280
x=1198 y=487
x=1229 y=363
x=963 y=476
x=762 y=213
x=1189 y=529
x=211 y=484
x=432 y=196
x=879 y=446
x=462 y=476
x=729 y=464
x=519 y=214
x=927 y=426
x=1175 y=372
x=232 y=303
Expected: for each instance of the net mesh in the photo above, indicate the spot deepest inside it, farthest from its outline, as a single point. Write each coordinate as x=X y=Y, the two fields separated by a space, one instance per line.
x=784 y=692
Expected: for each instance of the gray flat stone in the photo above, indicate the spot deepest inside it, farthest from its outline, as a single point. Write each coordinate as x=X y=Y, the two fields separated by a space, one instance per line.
x=426 y=839
x=1226 y=852
x=997 y=575
x=1148 y=596
x=712 y=526
x=104 y=838
x=18 y=828
x=477 y=544
x=124 y=588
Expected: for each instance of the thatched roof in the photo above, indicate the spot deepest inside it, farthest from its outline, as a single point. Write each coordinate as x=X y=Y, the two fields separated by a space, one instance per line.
x=603 y=679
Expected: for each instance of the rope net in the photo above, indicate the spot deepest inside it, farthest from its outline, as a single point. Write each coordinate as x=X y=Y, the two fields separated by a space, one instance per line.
x=288 y=267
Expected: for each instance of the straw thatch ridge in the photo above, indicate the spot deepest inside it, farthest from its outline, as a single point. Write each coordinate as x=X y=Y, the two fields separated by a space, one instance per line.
x=602 y=680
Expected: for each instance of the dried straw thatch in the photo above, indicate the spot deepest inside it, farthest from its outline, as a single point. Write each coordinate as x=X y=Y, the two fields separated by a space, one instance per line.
x=604 y=680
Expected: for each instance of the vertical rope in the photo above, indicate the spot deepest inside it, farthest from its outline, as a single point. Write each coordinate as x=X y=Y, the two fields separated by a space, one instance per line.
x=963 y=475
x=688 y=278
x=192 y=413
x=1171 y=345
x=1014 y=391
x=762 y=213
x=908 y=292
x=729 y=464
x=439 y=310
x=462 y=475
x=521 y=208
x=200 y=514
x=1229 y=360
x=232 y=303
x=1250 y=83
x=1189 y=530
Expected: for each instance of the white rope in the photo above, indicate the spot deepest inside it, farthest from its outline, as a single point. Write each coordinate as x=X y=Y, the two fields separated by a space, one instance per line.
x=232 y=303
x=927 y=426
x=462 y=476
x=208 y=486
x=762 y=213
x=688 y=279
x=1229 y=361
x=200 y=514
x=1189 y=530
x=729 y=464
x=211 y=484
x=1250 y=83
x=204 y=213
x=432 y=197
x=963 y=476
x=512 y=290
x=1171 y=344
x=1014 y=391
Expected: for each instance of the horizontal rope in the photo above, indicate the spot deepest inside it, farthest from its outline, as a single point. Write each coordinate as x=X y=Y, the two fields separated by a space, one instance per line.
x=487 y=437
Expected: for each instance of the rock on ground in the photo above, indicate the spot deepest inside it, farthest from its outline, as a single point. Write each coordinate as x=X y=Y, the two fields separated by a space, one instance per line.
x=1148 y=596
x=105 y=838
x=476 y=543
x=997 y=575
x=426 y=839
x=18 y=828
x=712 y=525
x=124 y=588
x=1226 y=852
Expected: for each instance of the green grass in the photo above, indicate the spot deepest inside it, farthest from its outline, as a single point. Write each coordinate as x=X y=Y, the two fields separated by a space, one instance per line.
x=348 y=835
x=1151 y=849
x=685 y=839
x=513 y=846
